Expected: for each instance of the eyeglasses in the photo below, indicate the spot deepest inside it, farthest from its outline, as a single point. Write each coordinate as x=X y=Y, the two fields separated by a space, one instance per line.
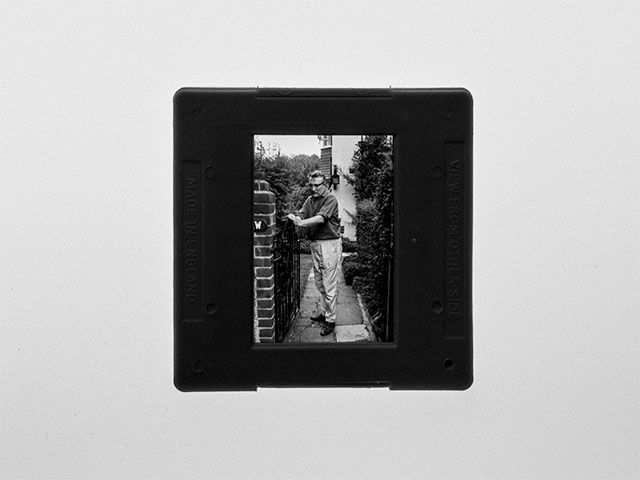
x=315 y=185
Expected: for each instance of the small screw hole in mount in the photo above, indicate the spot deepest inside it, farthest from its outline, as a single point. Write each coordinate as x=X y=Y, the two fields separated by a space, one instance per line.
x=210 y=308
x=197 y=366
x=436 y=308
x=448 y=363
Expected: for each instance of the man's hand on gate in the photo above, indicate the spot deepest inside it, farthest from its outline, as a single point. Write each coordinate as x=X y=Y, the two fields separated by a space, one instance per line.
x=295 y=219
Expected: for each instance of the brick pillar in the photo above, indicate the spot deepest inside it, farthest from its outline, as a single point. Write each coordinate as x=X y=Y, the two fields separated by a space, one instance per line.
x=264 y=208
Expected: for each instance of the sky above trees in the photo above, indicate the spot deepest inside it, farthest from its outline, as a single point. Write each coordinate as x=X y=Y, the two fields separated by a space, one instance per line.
x=292 y=144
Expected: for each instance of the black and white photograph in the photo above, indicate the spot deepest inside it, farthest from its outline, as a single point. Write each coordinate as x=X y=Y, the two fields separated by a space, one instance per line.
x=323 y=238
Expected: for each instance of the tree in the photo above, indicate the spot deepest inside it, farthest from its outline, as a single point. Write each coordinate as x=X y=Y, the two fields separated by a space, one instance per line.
x=373 y=155
x=287 y=176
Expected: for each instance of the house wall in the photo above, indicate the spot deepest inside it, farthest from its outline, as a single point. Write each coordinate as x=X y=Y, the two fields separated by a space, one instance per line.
x=342 y=152
x=325 y=161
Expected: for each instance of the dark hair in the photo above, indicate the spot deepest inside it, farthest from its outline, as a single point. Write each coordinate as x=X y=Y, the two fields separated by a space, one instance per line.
x=318 y=174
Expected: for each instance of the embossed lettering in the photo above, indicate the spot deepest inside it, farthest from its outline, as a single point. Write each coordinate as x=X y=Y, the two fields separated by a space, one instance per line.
x=454 y=154
x=191 y=239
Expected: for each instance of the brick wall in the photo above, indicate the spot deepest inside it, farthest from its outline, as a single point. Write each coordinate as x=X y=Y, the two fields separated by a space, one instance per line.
x=264 y=208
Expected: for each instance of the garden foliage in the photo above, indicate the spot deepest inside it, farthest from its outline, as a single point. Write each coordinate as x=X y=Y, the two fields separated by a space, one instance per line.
x=287 y=177
x=372 y=177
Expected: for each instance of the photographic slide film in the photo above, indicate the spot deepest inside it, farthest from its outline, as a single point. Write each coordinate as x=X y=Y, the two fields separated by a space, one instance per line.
x=322 y=238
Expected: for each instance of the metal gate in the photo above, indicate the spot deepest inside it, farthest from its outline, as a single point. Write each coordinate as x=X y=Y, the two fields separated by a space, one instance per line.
x=286 y=269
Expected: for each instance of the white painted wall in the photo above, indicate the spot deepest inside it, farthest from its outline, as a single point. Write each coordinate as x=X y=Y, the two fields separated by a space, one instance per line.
x=342 y=152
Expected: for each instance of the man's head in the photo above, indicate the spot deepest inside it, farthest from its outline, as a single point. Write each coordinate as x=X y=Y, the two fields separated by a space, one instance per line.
x=317 y=183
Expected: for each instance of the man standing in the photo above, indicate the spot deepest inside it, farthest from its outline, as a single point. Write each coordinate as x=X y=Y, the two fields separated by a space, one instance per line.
x=319 y=214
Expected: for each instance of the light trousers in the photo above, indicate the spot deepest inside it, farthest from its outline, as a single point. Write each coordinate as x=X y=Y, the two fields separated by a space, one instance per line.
x=327 y=262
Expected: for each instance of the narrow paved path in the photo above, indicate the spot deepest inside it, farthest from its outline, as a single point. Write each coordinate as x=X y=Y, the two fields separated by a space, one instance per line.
x=350 y=325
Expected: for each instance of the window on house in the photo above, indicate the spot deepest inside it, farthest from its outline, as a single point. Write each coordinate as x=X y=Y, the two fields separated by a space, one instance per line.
x=325 y=141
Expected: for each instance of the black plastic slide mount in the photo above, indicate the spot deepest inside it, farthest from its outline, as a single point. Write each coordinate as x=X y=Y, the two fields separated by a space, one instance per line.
x=213 y=150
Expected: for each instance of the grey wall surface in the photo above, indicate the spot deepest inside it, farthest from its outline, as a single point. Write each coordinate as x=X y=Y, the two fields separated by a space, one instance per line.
x=86 y=245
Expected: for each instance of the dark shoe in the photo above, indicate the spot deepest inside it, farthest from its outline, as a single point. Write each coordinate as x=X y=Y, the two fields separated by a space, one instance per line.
x=319 y=318
x=328 y=328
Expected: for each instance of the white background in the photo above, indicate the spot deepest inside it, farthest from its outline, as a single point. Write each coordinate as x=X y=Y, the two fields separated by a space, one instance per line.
x=86 y=240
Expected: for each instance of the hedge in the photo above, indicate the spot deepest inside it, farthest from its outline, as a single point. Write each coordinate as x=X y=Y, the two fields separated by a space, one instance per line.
x=372 y=178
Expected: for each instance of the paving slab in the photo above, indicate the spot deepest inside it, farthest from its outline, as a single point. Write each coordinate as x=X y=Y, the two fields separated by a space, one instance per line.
x=312 y=335
x=351 y=334
x=302 y=321
x=349 y=320
x=348 y=316
x=348 y=301
x=308 y=334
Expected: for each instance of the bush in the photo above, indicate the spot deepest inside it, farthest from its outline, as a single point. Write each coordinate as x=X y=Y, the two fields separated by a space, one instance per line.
x=373 y=155
x=351 y=268
x=287 y=177
x=349 y=246
x=373 y=181
x=368 y=257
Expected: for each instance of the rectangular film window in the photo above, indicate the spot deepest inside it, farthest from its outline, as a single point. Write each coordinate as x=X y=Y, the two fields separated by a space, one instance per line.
x=323 y=238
